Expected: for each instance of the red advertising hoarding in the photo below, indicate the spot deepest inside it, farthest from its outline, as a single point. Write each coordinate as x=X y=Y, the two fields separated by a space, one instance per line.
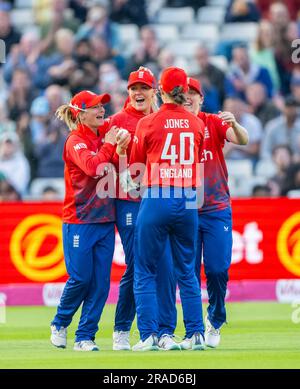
x=266 y=242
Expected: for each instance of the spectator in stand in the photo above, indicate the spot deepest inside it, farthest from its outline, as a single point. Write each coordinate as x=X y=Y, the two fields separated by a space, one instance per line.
x=109 y=78
x=280 y=18
x=117 y=101
x=259 y=105
x=40 y=112
x=282 y=157
x=13 y=164
x=261 y=191
x=129 y=11
x=243 y=72
x=293 y=6
x=292 y=181
x=49 y=155
x=79 y=8
x=242 y=11
x=57 y=68
x=295 y=85
x=7 y=32
x=24 y=133
x=262 y=52
x=50 y=194
x=167 y=59
x=86 y=74
x=239 y=109
x=98 y=24
x=23 y=56
x=20 y=94
x=284 y=129
x=55 y=95
x=101 y=52
x=212 y=73
x=56 y=17
x=147 y=50
x=5 y=123
x=7 y=191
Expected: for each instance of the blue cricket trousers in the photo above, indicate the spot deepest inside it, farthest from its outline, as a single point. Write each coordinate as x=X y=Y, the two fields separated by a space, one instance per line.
x=215 y=243
x=126 y=216
x=88 y=250
x=158 y=219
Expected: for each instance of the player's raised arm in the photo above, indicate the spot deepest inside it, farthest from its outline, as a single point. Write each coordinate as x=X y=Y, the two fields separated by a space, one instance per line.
x=236 y=133
x=79 y=153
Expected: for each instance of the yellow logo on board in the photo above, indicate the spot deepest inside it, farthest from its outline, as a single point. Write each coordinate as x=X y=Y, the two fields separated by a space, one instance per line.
x=288 y=244
x=25 y=245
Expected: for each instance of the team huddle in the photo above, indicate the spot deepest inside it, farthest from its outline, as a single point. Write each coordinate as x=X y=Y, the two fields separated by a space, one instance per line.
x=160 y=160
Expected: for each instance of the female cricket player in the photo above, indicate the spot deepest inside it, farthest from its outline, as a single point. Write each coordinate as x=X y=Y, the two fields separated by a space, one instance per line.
x=214 y=238
x=88 y=220
x=140 y=103
x=168 y=142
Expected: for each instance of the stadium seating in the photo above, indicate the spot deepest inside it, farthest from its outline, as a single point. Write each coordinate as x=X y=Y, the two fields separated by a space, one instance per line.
x=184 y=48
x=211 y=15
x=204 y=32
x=265 y=168
x=39 y=184
x=179 y=16
x=242 y=31
x=166 y=32
x=22 y=18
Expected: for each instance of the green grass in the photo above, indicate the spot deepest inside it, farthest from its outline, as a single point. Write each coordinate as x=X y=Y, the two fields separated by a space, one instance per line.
x=258 y=335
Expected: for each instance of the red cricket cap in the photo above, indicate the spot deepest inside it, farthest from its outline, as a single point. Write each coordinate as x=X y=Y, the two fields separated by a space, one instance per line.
x=87 y=99
x=143 y=76
x=193 y=83
x=173 y=77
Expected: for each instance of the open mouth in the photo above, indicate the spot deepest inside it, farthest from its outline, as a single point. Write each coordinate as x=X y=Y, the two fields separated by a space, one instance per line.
x=140 y=100
x=187 y=104
x=99 y=117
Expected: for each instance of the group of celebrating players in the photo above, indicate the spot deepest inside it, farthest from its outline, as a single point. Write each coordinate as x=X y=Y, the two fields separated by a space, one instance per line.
x=164 y=239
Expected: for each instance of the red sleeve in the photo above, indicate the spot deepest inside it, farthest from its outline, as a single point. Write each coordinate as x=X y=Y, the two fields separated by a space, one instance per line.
x=221 y=127
x=138 y=151
x=77 y=151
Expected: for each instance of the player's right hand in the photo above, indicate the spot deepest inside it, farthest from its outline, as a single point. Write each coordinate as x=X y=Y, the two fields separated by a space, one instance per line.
x=111 y=135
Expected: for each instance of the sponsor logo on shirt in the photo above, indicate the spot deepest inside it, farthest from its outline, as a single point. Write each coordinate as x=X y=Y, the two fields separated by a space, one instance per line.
x=79 y=146
x=206 y=155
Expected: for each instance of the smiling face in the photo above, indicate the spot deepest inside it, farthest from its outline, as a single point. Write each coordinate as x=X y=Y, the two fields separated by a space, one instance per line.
x=93 y=117
x=193 y=101
x=141 y=96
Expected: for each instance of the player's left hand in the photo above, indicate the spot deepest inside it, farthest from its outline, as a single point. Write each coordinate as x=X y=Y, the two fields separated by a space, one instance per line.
x=227 y=117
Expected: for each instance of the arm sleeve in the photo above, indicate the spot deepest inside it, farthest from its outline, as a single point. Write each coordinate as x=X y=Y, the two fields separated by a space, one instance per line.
x=221 y=127
x=138 y=152
x=78 y=152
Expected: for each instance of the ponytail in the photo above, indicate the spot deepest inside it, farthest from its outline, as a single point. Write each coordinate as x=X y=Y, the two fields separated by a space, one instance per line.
x=178 y=95
x=64 y=113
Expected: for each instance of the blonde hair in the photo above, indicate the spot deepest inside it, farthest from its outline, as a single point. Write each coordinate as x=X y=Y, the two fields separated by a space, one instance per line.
x=64 y=113
x=154 y=103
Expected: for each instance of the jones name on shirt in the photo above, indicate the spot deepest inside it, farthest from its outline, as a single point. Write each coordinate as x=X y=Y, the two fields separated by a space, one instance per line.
x=177 y=123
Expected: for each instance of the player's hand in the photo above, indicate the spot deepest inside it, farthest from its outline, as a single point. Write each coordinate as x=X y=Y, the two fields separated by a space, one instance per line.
x=111 y=135
x=227 y=117
x=123 y=140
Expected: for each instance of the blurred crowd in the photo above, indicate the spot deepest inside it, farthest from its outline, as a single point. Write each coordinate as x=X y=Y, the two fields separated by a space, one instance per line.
x=77 y=44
